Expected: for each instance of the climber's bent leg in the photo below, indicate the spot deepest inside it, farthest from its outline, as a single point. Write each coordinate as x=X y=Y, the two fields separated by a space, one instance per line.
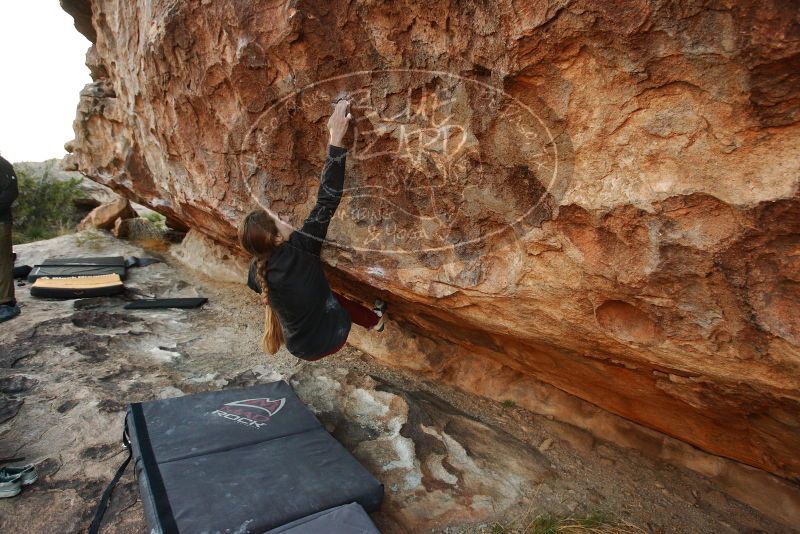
x=361 y=315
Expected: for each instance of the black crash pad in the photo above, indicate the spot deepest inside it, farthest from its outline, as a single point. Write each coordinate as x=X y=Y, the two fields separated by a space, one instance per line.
x=347 y=519
x=240 y=460
x=147 y=304
x=108 y=261
x=68 y=267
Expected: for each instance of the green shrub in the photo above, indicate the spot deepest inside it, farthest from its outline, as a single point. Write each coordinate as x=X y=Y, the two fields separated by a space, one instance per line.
x=45 y=207
x=157 y=219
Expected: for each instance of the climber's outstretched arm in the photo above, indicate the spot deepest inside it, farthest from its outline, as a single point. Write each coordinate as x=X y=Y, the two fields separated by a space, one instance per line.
x=315 y=227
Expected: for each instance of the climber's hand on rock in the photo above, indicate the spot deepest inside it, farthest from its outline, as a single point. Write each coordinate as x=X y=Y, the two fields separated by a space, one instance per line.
x=339 y=121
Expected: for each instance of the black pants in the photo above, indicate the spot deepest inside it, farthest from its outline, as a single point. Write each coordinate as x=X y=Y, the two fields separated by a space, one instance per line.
x=6 y=265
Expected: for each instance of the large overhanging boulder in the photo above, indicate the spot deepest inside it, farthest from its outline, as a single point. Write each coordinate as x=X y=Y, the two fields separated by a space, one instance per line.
x=597 y=196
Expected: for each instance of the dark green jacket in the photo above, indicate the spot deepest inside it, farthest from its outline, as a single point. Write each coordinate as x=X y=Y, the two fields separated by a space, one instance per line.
x=8 y=190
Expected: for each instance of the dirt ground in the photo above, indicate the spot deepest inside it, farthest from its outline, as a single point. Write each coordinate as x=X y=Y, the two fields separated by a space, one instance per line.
x=450 y=462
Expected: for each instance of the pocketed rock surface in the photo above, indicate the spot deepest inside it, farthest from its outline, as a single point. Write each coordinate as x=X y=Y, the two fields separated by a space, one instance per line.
x=450 y=462
x=601 y=197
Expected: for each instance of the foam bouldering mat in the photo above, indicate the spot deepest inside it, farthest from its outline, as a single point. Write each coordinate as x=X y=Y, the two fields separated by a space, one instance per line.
x=240 y=460
x=148 y=304
x=69 y=267
x=346 y=519
x=110 y=261
x=77 y=287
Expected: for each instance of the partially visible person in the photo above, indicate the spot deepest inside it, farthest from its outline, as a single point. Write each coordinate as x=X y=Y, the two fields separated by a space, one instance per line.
x=8 y=194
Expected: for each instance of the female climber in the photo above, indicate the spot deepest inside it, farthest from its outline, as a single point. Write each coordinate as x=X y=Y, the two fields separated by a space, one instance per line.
x=300 y=308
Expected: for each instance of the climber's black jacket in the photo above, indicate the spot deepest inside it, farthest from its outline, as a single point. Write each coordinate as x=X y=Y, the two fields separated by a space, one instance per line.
x=8 y=190
x=314 y=323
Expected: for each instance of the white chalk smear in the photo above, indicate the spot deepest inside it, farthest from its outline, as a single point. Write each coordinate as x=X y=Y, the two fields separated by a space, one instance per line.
x=376 y=271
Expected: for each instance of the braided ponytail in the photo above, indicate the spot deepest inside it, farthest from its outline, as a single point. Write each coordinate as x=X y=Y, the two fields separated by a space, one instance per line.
x=273 y=332
x=257 y=235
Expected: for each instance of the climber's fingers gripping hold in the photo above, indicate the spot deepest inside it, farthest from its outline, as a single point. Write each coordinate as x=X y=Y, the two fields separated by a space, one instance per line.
x=339 y=121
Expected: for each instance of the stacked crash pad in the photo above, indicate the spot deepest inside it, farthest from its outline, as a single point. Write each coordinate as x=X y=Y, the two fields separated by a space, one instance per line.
x=70 y=267
x=70 y=278
x=77 y=287
x=247 y=460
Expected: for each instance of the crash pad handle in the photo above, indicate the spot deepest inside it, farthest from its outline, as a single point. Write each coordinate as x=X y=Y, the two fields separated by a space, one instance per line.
x=102 y=506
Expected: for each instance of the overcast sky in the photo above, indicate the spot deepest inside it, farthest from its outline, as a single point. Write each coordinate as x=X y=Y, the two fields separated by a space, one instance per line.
x=42 y=71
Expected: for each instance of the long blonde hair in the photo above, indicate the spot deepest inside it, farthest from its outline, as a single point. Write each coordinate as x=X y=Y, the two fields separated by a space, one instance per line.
x=257 y=235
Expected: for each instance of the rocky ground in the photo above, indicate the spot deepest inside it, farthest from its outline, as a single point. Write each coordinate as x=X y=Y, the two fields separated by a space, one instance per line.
x=450 y=462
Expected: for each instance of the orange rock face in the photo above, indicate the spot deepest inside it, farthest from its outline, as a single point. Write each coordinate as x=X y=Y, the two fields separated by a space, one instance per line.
x=599 y=196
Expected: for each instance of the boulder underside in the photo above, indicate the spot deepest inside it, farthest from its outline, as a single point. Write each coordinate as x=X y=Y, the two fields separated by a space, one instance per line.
x=599 y=196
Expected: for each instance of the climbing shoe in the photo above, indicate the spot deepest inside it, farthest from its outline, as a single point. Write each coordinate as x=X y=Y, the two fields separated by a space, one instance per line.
x=27 y=473
x=10 y=485
x=8 y=311
x=379 y=309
